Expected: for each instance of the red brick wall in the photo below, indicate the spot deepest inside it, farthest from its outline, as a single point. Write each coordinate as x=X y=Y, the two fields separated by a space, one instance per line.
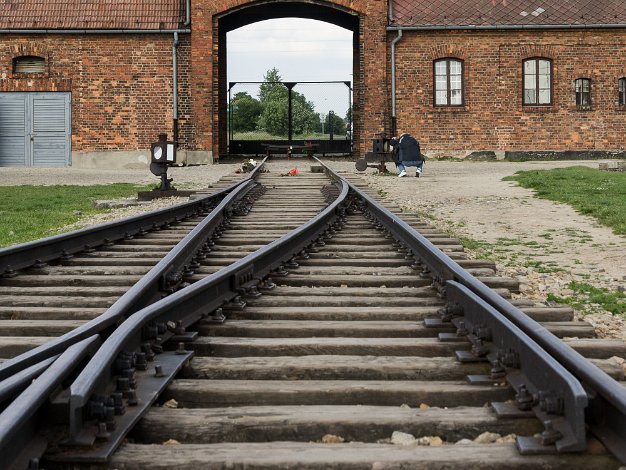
x=121 y=85
x=493 y=117
x=370 y=98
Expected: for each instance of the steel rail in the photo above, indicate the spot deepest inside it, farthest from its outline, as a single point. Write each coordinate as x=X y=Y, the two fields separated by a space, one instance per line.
x=51 y=248
x=18 y=434
x=15 y=384
x=606 y=413
x=192 y=303
x=142 y=293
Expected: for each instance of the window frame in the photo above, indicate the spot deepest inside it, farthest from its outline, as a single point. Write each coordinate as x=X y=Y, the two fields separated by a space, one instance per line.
x=621 y=91
x=537 y=75
x=37 y=61
x=579 y=95
x=448 y=104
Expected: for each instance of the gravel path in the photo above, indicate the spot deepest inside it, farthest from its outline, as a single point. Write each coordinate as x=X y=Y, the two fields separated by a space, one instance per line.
x=544 y=244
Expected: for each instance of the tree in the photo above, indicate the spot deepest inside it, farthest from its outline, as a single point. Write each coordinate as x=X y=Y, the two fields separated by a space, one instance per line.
x=245 y=112
x=305 y=120
x=272 y=86
x=335 y=123
x=274 y=100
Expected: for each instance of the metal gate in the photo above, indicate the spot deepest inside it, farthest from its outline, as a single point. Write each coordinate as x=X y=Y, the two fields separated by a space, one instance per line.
x=314 y=115
x=35 y=129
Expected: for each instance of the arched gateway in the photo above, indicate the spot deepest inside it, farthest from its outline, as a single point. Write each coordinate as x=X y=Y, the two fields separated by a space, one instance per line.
x=212 y=20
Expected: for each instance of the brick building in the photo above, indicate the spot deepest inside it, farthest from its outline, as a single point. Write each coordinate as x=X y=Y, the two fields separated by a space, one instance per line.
x=91 y=85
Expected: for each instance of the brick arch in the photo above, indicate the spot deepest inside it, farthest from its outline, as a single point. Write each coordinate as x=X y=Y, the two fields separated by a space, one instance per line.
x=448 y=51
x=30 y=49
x=537 y=50
x=211 y=19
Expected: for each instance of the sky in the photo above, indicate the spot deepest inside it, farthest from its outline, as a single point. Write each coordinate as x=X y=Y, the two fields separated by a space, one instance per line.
x=302 y=50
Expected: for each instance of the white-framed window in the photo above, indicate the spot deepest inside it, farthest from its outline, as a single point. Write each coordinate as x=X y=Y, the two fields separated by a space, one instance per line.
x=537 y=81
x=448 y=87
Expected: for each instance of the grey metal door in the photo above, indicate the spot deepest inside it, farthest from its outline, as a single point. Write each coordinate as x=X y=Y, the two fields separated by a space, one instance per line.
x=13 y=129
x=36 y=129
x=50 y=134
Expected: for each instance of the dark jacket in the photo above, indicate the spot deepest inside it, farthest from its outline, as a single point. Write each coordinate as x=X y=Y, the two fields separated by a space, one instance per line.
x=407 y=148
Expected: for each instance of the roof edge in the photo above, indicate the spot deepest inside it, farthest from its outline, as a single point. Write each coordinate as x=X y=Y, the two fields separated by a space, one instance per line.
x=506 y=27
x=93 y=31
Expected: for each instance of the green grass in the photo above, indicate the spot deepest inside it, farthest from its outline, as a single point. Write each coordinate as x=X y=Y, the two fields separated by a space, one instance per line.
x=586 y=298
x=596 y=193
x=32 y=212
x=481 y=248
x=544 y=268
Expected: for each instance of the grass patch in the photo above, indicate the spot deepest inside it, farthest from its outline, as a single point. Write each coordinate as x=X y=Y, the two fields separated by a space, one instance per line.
x=586 y=298
x=599 y=194
x=481 y=249
x=32 y=212
x=544 y=268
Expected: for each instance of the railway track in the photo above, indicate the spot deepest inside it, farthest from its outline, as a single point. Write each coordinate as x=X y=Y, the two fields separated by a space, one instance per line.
x=336 y=335
x=49 y=300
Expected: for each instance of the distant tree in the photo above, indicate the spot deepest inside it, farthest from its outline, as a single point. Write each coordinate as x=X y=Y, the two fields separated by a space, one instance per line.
x=274 y=100
x=272 y=87
x=245 y=112
x=273 y=118
x=305 y=119
x=348 y=117
x=337 y=124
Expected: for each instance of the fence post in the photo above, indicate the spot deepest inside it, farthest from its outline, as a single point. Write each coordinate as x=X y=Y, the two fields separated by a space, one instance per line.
x=289 y=86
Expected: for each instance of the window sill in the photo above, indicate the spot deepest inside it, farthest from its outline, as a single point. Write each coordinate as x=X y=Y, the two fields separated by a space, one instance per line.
x=583 y=108
x=450 y=109
x=538 y=108
x=33 y=75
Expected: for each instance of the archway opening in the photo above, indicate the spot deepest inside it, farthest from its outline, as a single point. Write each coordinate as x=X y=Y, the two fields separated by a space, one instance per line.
x=288 y=73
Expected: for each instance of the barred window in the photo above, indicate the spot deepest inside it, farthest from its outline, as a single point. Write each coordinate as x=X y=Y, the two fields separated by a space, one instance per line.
x=621 y=85
x=448 y=82
x=538 y=81
x=583 y=92
x=29 y=64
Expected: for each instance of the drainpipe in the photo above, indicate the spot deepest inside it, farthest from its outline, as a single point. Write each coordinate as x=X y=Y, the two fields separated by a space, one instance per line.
x=175 y=86
x=393 y=79
x=175 y=70
x=187 y=13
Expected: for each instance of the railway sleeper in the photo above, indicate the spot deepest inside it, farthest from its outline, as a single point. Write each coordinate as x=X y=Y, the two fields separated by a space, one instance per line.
x=347 y=455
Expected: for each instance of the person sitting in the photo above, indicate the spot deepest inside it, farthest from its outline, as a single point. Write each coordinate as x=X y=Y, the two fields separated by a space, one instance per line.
x=408 y=153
